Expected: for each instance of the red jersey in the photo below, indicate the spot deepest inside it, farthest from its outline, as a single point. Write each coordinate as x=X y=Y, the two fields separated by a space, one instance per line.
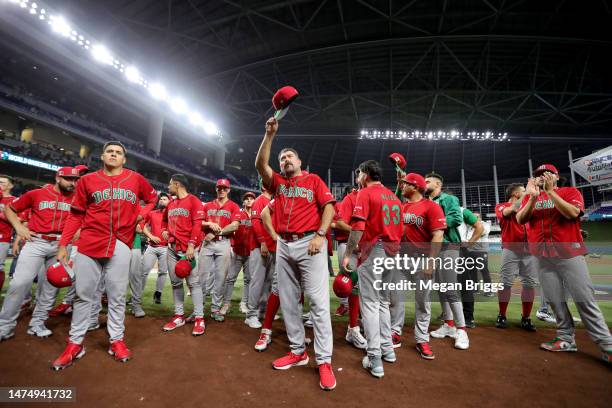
x=6 y=229
x=378 y=213
x=260 y=234
x=155 y=221
x=344 y=211
x=421 y=219
x=299 y=202
x=243 y=236
x=548 y=226
x=49 y=209
x=221 y=214
x=106 y=209
x=513 y=234
x=183 y=220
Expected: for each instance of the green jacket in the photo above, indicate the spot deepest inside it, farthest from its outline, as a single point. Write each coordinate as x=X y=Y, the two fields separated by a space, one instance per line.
x=454 y=216
x=469 y=218
x=137 y=241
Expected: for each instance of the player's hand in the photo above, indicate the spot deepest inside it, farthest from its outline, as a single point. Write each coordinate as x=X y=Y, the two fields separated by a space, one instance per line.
x=209 y=237
x=271 y=127
x=16 y=247
x=315 y=245
x=265 y=252
x=62 y=254
x=549 y=182
x=190 y=253
x=214 y=227
x=346 y=265
x=156 y=240
x=165 y=235
x=400 y=175
x=532 y=189
x=24 y=232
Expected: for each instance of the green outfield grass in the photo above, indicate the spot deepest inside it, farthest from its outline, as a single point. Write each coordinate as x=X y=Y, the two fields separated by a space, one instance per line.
x=486 y=309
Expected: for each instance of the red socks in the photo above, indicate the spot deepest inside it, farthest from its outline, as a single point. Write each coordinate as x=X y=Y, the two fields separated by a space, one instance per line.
x=451 y=323
x=353 y=302
x=1 y=279
x=504 y=299
x=271 y=309
x=527 y=296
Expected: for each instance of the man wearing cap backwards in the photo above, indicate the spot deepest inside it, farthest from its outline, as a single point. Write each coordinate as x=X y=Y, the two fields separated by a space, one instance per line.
x=377 y=228
x=221 y=219
x=553 y=218
x=304 y=211
x=241 y=249
x=106 y=208
x=424 y=224
x=49 y=209
x=6 y=229
x=182 y=229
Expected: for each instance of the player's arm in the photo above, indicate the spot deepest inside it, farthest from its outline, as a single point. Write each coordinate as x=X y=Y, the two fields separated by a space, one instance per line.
x=437 y=237
x=326 y=218
x=266 y=220
x=478 y=231
x=229 y=228
x=342 y=226
x=452 y=212
x=13 y=218
x=73 y=224
x=262 y=161
x=566 y=209
x=352 y=242
x=532 y=191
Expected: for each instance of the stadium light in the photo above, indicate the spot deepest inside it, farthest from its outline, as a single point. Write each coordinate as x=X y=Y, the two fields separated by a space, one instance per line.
x=60 y=25
x=158 y=91
x=102 y=54
x=211 y=129
x=178 y=105
x=132 y=74
x=196 y=119
x=453 y=135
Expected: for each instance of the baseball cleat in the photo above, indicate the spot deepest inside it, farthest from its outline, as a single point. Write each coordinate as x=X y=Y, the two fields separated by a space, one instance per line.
x=217 y=316
x=243 y=308
x=308 y=323
x=607 y=357
x=389 y=356
x=559 y=345
x=94 y=325
x=265 y=338
x=39 y=331
x=5 y=335
x=374 y=365
x=462 y=342
x=61 y=309
x=176 y=322
x=341 y=310
x=198 y=327
x=157 y=297
x=138 y=311
x=501 y=322
x=545 y=316
x=425 y=351
x=470 y=324
x=445 y=331
x=290 y=360
x=253 y=322
x=119 y=350
x=327 y=380
x=396 y=338
x=224 y=309
x=71 y=353
x=354 y=337
x=527 y=325
x=190 y=318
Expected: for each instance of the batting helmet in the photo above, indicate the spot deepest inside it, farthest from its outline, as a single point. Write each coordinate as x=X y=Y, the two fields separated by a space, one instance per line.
x=343 y=285
x=60 y=275
x=183 y=267
x=398 y=160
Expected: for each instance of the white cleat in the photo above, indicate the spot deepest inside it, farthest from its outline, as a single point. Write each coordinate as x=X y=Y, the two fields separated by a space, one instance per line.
x=354 y=337
x=39 y=331
x=462 y=342
x=253 y=322
x=265 y=338
x=445 y=331
x=243 y=308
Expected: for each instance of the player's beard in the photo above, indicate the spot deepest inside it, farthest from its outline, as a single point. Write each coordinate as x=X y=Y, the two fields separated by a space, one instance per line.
x=428 y=192
x=63 y=189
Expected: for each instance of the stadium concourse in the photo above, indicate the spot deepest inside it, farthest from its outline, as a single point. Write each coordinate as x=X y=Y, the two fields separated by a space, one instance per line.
x=197 y=196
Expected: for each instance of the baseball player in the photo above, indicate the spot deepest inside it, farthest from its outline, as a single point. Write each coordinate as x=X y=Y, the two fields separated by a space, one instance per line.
x=182 y=229
x=137 y=283
x=470 y=230
x=6 y=229
x=106 y=208
x=377 y=227
x=49 y=209
x=516 y=259
x=156 y=250
x=341 y=231
x=304 y=211
x=553 y=218
x=424 y=224
x=221 y=219
x=452 y=310
x=240 y=253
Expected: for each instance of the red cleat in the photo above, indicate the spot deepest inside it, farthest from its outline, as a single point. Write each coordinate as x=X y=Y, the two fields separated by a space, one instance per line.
x=71 y=353
x=341 y=310
x=290 y=360
x=61 y=309
x=119 y=350
x=198 y=327
x=177 y=321
x=425 y=351
x=327 y=379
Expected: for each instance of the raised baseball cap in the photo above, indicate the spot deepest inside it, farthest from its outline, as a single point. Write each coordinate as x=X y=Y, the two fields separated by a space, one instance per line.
x=398 y=160
x=68 y=172
x=223 y=182
x=416 y=180
x=545 y=167
x=282 y=99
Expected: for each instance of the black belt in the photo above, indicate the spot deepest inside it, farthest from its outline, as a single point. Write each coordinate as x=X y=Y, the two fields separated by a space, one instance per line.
x=294 y=236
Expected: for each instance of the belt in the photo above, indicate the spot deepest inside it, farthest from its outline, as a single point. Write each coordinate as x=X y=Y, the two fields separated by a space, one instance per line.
x=219 y=238
x=294 y=236
x=48 y=237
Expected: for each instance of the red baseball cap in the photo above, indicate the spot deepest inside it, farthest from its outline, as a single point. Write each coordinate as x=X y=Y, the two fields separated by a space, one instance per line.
x=545 y=167
x=416 y=180
x=223 y=182
x=398 y=159
x=82 y=169
x=248 y=194
x=68 y=172
x=282 y=99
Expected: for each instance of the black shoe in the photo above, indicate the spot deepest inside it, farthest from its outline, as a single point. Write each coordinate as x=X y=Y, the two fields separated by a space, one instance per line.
x=470 y=324
x=157 y=297
x=441 y=317
x=527 y=325
x=501 y=322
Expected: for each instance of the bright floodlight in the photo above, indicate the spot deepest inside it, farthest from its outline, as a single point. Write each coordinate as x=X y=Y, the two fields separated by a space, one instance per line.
x=132 y=74
x=102 y=54
x=178 y=105
x=158 y=91
x=195 y=118
x=211 y=128
x=60 y=26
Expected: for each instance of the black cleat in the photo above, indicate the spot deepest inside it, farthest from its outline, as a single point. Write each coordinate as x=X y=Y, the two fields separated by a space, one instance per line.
x=157 y=298
x=470 y=324
x=527 y=325
x=501 y=322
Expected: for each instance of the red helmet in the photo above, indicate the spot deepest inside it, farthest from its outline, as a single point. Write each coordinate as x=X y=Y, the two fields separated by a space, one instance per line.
x=343 y=285
x=183 y=268
x=60 y=275
x=398 y=160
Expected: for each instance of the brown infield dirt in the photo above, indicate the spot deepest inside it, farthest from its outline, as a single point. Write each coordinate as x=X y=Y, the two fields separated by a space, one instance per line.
x=221 y=369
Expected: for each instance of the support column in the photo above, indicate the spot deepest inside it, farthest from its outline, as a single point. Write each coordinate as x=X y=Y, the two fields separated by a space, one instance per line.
x=463 y=193
x=156 y=128
x=219 y=159
x=329 y=178
x=529 y=160
x=495 y=184
x=571 y=161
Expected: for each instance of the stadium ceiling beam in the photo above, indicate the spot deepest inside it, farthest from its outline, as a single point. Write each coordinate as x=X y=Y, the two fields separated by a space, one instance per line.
x=391 y=18
x=247 y=10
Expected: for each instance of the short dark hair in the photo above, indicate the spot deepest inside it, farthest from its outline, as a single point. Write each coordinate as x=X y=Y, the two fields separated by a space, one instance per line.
x=9 y=178
x=512 y=188
x=433 y=174
x=114 y=143
x=288 y=149
x=372 y=169
x=347 y=190
x=163 y=195
x=181 y=178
